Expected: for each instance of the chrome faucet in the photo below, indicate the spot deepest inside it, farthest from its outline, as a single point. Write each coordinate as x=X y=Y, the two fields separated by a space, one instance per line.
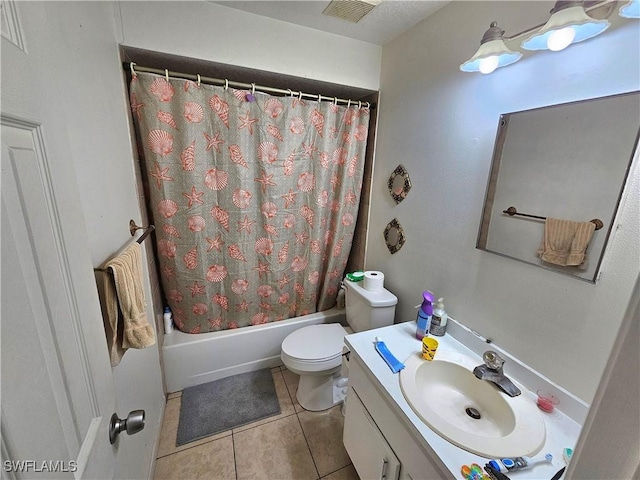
x=491 y=370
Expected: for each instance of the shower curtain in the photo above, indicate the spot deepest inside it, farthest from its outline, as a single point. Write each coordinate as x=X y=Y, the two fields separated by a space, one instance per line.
x=254 y=198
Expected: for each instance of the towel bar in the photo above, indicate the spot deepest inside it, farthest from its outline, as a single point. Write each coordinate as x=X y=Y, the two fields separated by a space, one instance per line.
x=133 y=228
x=511 y=211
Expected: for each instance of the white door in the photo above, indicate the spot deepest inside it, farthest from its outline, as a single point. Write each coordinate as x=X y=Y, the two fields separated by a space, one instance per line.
x=56 y=385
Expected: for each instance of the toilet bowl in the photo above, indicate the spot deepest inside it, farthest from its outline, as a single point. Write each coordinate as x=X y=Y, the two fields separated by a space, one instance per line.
x=315 y=353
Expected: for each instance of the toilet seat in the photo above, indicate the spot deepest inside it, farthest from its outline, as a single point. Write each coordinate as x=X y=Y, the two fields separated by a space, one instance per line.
x=315 y=348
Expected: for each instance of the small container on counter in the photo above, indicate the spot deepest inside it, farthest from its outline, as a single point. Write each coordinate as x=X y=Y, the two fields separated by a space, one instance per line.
x=439 y=319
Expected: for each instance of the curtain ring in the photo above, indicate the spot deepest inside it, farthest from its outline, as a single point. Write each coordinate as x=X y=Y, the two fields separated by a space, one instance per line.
x=300 y=95
x=359 y=104
x=198 y=79
x=290 y=92
x=226 y=84
x=133 y=72
x=349 y=103
x=253 y=89
x=335 y=100
x=166 y=74
x=368 y=105
x=319 y=98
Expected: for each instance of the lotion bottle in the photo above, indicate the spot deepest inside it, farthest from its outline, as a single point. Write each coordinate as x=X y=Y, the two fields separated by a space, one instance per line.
x=424 y=315
x=439 y=319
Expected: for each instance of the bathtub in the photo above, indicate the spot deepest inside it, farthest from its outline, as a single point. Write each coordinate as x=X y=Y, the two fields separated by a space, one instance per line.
x=194 y=359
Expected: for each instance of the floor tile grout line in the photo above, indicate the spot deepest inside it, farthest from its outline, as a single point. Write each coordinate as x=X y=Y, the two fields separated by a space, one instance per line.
x=293 y=400
x=193 y=446
x=341 y=468
x=273 y=419
x=233 y=446
x=308 y=446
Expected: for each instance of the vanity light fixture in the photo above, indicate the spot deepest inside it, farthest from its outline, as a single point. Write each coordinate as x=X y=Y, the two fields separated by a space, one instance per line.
x=568 y=24
x=630 y=9
x=493 y=53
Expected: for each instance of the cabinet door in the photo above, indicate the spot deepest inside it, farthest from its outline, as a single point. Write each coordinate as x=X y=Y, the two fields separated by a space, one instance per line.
x=370 y=453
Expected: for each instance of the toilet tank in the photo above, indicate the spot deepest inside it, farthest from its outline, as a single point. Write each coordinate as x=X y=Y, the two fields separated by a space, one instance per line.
x=367 y=310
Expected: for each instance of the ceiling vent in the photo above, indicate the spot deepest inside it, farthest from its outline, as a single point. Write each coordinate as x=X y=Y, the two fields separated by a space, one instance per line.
x=350 y=10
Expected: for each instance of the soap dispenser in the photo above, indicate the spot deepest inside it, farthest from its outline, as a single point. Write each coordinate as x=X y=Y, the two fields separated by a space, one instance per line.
x=439 y=319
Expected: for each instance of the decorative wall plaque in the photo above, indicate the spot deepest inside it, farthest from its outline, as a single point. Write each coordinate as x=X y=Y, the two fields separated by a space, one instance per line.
x=399 y=183
x=394 y=236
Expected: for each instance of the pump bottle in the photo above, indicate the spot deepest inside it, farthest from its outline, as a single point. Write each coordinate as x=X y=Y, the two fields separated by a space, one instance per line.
x=424 y=315
x=439 y=319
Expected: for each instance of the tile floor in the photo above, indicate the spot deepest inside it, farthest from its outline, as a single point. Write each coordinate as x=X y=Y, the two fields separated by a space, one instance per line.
x=296 y=444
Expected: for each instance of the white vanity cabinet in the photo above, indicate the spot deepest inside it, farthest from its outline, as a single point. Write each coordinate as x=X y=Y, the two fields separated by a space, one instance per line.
x=368 y=449
x=379 y=442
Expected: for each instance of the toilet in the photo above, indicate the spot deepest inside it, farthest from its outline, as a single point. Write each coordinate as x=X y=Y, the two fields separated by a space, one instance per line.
x=315 y=352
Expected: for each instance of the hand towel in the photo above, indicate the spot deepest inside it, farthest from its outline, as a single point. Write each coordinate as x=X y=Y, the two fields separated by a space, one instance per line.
x=127 y=276
x=565 y=242
x=113 y=327
x=581 y=239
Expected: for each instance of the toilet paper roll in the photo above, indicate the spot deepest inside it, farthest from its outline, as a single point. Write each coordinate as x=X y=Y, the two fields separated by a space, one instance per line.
x=373 y=281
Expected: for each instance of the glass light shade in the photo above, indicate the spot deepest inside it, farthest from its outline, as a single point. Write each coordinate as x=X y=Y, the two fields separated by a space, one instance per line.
x=494 y=48
x=630 y=9
x=493 y=53
x=572 y=16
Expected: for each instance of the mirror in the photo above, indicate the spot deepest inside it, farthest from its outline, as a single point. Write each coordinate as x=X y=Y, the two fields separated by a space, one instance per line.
x=394 y=236
x=399 y=184
x=569 y=162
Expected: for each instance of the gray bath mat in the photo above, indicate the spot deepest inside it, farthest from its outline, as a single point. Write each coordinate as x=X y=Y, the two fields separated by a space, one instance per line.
x=227 y=403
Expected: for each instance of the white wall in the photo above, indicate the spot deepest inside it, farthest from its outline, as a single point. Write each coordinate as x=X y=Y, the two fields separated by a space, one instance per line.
x=102 y=154
x=441 y=124
x=221 y=34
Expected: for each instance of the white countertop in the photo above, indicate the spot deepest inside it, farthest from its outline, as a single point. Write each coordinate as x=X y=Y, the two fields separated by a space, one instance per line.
x=561 y=430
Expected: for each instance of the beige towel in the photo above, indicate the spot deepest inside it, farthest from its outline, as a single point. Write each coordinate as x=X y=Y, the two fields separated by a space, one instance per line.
x=127 y=277
x=113 y=327
x=565 y=242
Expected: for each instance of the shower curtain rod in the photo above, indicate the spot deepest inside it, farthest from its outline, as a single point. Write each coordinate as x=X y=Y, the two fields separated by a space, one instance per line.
x=134 y=68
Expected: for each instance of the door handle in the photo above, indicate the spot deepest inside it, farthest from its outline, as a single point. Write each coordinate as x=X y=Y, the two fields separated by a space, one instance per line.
x=132 y=424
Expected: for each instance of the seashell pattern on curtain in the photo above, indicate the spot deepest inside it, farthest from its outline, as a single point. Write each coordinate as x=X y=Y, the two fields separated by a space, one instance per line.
x=254 y=198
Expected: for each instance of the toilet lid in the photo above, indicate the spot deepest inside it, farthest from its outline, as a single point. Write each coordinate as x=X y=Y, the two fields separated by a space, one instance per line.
x=315 y=343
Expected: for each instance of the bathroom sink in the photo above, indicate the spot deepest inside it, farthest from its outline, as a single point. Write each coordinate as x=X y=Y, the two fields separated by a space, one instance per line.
x=471 y=413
